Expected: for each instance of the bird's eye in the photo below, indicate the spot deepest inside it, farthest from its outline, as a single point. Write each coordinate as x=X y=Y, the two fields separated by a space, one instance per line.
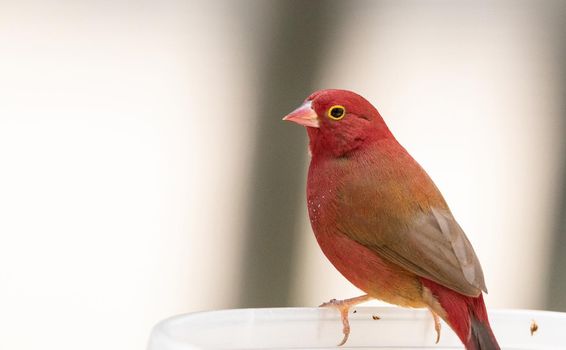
x=336 y=112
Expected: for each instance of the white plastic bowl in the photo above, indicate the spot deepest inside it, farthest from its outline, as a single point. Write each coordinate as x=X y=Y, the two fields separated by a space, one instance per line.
x=321 y=328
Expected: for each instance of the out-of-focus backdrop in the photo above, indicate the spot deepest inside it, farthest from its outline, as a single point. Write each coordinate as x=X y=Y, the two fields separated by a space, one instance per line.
x=145 y=170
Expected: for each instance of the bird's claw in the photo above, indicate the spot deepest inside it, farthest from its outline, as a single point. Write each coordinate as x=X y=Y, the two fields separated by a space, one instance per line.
x=344 y=307
x=331 y=302
x=437 y=326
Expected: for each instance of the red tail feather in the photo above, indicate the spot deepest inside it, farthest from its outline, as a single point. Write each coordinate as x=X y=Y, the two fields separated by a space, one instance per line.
x=466 y=315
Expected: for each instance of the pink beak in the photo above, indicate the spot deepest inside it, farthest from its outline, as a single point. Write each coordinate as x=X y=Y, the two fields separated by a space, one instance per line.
x=304 y=115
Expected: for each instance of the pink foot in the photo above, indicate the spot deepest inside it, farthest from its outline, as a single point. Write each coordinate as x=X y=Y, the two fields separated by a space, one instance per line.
x=344 y=307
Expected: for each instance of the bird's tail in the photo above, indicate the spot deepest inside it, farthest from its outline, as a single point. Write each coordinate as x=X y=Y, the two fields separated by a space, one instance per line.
x=481 y=336
x=467 y=316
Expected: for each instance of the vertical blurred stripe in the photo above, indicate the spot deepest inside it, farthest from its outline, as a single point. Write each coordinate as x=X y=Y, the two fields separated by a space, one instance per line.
x=557 y=282
x=293 y=54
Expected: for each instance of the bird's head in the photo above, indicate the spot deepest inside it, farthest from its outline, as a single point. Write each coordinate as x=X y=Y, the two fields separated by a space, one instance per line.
x=339 y=122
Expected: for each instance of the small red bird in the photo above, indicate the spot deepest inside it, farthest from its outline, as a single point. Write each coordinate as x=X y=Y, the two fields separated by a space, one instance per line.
x=381 y=221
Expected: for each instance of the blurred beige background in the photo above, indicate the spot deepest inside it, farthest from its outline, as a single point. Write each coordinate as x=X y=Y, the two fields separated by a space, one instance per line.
x=145 y=171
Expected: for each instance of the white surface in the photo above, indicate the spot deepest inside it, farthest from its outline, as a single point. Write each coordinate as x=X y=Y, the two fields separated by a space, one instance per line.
x=320 y=328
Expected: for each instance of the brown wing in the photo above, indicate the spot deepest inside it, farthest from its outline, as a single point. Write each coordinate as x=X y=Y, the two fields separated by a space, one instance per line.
x=422 y=239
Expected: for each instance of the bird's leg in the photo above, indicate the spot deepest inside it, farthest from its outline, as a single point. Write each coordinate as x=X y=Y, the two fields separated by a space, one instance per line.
x=436 y=325
x=344 y=307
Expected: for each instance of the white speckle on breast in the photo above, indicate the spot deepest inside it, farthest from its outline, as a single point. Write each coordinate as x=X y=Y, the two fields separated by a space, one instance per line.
x=316 y=205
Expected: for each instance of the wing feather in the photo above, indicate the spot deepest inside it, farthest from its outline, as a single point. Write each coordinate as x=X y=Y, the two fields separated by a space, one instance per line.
x=424 y=240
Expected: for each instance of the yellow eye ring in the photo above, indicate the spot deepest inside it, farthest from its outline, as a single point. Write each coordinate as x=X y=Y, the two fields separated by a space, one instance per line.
x=336 y=112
